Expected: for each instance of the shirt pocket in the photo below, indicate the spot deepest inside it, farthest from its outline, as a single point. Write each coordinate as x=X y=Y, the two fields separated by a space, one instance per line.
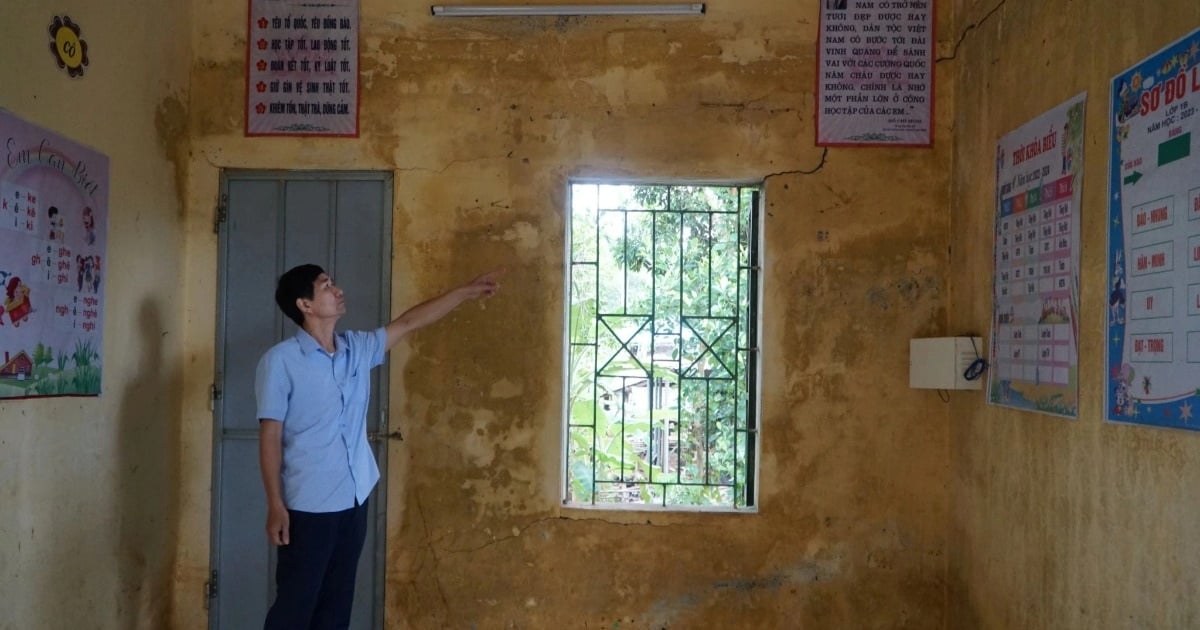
x=314 y=399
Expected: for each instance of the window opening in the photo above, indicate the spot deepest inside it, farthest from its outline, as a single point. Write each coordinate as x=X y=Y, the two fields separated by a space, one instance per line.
x=662 y=361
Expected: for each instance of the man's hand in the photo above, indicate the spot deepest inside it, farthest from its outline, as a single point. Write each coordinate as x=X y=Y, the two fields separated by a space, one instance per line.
x=277 y=525
x=485 y=285
x=432 y=310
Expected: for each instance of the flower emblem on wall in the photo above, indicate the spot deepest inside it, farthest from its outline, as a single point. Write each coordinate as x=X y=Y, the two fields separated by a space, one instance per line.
x=69 y=49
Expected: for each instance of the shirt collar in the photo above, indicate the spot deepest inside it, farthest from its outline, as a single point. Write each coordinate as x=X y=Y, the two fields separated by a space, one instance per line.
x=309 y=345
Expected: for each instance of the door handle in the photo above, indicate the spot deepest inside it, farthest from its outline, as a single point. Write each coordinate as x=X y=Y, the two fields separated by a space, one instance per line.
x=379 y=436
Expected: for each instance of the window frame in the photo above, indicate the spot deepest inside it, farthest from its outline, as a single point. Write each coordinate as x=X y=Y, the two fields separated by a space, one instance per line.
x=755 y=291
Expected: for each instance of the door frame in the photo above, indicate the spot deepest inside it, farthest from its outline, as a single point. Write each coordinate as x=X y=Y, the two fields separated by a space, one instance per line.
x=377 y=429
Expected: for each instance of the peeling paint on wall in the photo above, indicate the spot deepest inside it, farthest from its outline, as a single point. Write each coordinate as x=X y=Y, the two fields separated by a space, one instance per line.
x=483 y=123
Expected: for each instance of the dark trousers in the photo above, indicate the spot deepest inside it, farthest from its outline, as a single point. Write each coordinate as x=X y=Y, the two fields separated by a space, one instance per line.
x=314 y=578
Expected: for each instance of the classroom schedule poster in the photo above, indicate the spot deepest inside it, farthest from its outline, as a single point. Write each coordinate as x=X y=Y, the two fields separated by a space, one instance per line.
x=302 y=74
x=1035 y=322
x=1153 y=315
x=875 y=73
x=53 y=216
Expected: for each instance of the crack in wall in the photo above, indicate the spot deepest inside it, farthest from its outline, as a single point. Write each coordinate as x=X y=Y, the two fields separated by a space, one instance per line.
x=818 y=167
x=738 y=106
x=443 y=169
x=521 y=530
x=437 y=578
x=962 y=36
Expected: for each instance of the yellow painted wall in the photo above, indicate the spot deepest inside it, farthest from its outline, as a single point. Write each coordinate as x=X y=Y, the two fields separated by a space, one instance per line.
x=89 y=510
x=107 y=500
x=880 y=507
x=482 y=123
x=1063 y=524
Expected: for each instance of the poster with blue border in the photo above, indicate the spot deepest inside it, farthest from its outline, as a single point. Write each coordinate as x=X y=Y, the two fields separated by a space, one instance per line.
x=1035 y=286
x=53 y=262
x=1152 y=346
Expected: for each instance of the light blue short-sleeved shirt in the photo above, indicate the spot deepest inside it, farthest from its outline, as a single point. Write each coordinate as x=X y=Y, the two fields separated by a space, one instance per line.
x=322 y=400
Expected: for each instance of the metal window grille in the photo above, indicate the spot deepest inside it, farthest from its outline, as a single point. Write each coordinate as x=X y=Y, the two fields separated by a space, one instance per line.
x=662 y=346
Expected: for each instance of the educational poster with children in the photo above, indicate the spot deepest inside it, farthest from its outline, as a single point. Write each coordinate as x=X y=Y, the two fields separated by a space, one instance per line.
x=1153 y=292
x=1035 y=323
x=53 y=213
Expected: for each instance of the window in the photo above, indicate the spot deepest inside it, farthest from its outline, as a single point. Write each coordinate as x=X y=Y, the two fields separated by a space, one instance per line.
x=662 y=346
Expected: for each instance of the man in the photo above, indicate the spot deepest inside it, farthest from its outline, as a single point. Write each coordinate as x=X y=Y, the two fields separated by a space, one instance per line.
x=317 y=468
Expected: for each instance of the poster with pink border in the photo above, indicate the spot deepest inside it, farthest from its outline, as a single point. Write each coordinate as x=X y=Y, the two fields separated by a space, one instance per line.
x=875 y=70
x=302 y=68
x=53 y=219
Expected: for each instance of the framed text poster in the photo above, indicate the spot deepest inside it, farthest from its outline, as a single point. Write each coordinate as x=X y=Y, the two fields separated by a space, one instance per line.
x=53 y=214
x=302 y=74
x=875 y=73
x=1035 y=286
x=1153 y=315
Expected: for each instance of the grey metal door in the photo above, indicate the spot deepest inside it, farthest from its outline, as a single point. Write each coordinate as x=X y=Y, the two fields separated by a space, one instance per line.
x=269 y=222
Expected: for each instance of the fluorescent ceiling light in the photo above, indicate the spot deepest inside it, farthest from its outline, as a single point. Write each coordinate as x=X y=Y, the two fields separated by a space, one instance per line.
x=505 y=10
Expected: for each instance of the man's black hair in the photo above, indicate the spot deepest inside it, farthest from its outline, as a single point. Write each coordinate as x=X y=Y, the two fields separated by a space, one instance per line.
x=294 y=284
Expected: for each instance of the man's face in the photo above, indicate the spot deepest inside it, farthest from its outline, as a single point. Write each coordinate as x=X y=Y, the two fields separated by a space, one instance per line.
x=327 y=300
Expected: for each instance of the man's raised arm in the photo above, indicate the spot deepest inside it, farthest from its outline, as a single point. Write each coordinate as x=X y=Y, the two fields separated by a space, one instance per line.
x=431 y=310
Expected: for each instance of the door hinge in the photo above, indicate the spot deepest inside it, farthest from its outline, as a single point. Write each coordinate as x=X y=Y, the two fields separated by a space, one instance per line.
x=222 y=214
x=214 y=394
x=210 y=589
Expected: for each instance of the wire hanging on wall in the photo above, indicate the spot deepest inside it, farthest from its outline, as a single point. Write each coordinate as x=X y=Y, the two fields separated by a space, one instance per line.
x=977 y=367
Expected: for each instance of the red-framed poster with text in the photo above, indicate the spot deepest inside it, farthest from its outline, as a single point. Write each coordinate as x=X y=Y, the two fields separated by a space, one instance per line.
x=302 y=68
x=875 y=73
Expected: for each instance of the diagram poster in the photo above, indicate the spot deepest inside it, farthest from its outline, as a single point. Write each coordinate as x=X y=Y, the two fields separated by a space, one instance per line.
x=53 y=216
x=875 y=73
x=302 y=78
x=1153 y=292
x=1035 y=323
